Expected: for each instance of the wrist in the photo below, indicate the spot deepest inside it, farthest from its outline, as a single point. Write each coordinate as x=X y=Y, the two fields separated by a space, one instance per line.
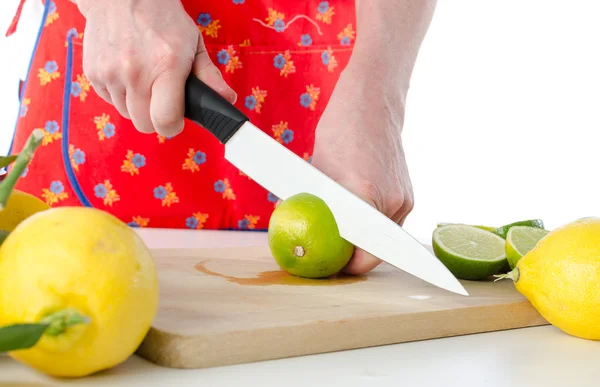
x=374 y=66
x=388 y=39
x=363 y=91
x=375 y=76
x=85 y=5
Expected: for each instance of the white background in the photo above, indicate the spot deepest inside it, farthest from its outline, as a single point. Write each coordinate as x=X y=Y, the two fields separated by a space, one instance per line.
x=503 y=113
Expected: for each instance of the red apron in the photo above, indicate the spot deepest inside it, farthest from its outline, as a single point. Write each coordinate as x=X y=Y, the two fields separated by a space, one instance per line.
x=282 y=57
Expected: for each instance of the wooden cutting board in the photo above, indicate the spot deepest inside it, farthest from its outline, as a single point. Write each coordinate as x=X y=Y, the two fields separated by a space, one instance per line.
x=234 y=305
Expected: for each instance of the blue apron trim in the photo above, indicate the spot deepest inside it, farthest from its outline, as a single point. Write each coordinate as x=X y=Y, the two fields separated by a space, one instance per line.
x=66 y=113
x=24 y=86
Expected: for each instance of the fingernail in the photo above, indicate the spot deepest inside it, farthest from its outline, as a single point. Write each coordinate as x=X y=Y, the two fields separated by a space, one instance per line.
x=225 y=90
x=233 y=96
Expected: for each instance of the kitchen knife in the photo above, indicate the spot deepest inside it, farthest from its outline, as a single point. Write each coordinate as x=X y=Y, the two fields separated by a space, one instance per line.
x=284 y=174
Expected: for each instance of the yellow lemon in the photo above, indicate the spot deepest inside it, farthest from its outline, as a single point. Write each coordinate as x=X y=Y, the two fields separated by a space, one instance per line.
x=20 y=206
x=560 y=276
x=86 y=260
x=305 y=240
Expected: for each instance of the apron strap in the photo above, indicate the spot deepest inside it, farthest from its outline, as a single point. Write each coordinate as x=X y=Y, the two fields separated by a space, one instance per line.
x=13 y=25
x=12 y=28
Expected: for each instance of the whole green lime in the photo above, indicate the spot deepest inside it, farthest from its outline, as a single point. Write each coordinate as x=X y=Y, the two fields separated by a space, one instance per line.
x=305 y=240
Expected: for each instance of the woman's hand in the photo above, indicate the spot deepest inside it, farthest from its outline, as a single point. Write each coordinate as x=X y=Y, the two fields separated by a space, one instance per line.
x=358 y=139
x=358 y=144
x=138 y=55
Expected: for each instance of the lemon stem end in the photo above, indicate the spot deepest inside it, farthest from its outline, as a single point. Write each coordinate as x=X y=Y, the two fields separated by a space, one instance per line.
x=513 y=275
x=63 y=319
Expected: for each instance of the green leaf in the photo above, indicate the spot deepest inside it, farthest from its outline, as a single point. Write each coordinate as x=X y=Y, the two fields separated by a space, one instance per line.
x=20 y=336
x=7 y=160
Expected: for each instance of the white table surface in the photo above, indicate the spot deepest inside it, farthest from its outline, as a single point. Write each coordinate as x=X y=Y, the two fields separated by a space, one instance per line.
x=541 y=356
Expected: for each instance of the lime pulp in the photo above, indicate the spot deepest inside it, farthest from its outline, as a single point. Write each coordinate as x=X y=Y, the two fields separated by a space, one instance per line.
x=469 y=252
x=520 y=240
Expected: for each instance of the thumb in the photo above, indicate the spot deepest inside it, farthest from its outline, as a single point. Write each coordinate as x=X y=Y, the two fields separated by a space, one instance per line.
x=207 y=72
x=361 y=261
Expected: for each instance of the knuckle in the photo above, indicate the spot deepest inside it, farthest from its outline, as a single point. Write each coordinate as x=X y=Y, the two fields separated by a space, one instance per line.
x=201 y=51
x=368 y=191
x=409 y=203
x=90 y=71
x=372 y=191
x=170 y=61
x=396 y=201
x=105 y=74
x=129 y=70
x=167 y=124
x=173 y=56
x=168 y=56
x=99 y=73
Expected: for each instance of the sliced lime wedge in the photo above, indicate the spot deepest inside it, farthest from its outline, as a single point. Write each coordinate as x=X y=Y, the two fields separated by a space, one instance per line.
x=486 y=228
x=503 y=230
x=469 y=252
x=520 y=240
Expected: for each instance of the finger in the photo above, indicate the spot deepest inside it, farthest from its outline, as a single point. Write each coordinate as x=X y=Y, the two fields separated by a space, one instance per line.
x=102 y=92
x=405 y=210
x=207 y=72
x=167 y=103
x=403 y=219
x=117 y=95
x=361 y=263
x=138 y=105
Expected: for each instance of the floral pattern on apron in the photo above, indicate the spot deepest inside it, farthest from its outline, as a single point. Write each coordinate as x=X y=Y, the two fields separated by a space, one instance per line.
x=283 y=58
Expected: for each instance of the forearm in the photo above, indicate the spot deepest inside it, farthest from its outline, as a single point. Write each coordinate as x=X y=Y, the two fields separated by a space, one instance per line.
x=85 y=5
x=389 y=36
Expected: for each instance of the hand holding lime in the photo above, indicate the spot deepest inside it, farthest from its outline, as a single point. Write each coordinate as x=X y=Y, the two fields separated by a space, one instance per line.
x=305 y=240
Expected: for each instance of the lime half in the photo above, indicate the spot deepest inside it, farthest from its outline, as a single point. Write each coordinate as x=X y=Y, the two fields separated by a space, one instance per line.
x=469 y=252
x=502 y=231
x=486 y=228
x=520 y=240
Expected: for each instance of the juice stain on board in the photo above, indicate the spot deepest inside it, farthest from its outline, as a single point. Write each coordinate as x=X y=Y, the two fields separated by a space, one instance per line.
x=280 y=277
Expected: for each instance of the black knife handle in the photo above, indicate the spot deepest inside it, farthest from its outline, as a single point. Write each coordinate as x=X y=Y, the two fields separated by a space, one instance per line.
x=210 y=110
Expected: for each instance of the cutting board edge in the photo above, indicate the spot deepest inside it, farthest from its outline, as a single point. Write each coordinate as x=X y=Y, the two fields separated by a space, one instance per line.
x=326 y=336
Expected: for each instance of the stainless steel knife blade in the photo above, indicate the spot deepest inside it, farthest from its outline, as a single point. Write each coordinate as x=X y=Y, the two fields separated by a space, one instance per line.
x=284 y=174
